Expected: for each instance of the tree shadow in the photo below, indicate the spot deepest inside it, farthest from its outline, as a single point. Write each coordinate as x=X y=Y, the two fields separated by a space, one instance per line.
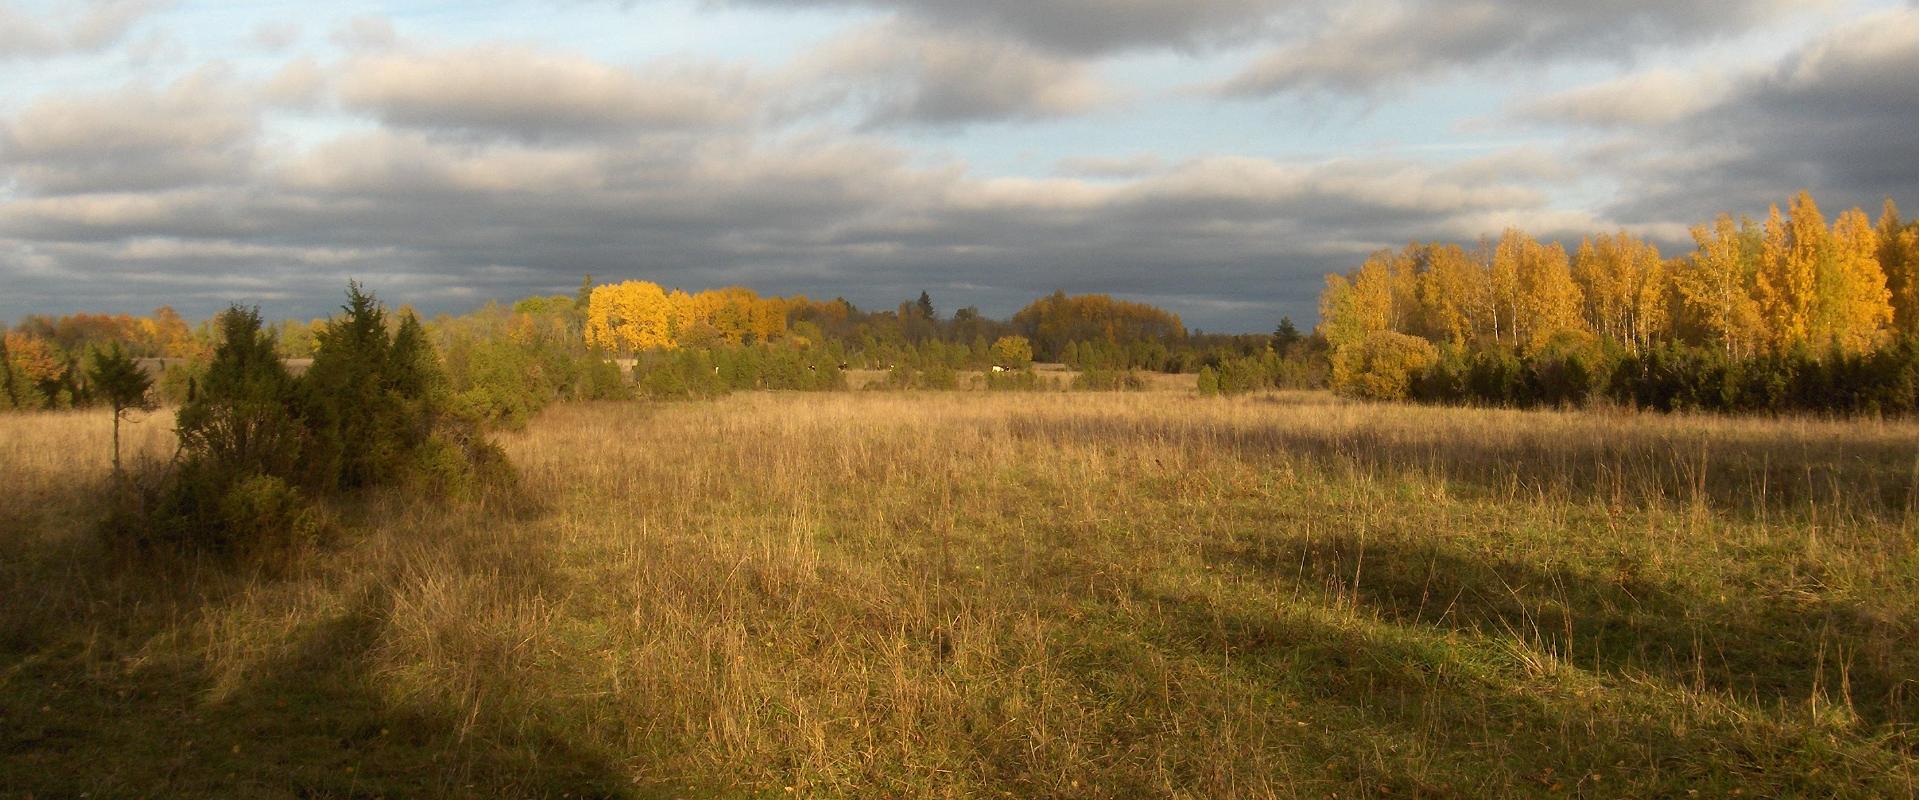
x=1405 y=716
x=95 y=698
x=1741 y=470
x=1766 y=651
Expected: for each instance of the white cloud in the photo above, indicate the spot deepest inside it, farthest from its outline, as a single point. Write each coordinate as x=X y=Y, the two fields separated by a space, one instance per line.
x=1654 y=97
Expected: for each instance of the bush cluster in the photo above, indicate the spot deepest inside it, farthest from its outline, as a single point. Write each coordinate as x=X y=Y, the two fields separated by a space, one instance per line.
x=504 y=379
x=1015 y=380
x=1240 y=374
x=1108 y=380
x=693 y=373
x=258 y=445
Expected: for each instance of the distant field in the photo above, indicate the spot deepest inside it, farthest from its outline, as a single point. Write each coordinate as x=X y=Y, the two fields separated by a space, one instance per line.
x=1052 y=376
x=1005 y=594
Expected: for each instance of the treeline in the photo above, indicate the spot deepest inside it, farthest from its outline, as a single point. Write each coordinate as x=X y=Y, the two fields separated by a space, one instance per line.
x=1084 y=332
x=617 y=341
x=1790 y=313
x=43 y=359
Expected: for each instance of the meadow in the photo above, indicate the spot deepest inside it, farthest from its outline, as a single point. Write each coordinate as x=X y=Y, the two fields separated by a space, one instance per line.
x=970 y=594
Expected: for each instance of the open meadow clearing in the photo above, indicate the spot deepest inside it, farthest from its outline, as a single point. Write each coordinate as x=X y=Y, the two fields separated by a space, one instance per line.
x=993 y=594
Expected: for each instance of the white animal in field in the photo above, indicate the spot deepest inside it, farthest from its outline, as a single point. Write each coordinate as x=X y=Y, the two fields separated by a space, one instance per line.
x=998 y=368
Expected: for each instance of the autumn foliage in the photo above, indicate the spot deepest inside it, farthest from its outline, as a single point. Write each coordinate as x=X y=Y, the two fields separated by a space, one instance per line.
x=637 y=316
x=1793 y=289
x=1054 y=321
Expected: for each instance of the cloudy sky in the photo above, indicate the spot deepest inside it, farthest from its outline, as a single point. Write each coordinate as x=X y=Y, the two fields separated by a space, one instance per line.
x=1212 y=156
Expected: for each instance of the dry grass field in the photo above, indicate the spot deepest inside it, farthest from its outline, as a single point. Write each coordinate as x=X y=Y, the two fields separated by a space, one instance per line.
x=984 y=594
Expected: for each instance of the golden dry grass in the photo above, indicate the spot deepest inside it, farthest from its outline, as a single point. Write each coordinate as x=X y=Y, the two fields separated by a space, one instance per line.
x=966 y=594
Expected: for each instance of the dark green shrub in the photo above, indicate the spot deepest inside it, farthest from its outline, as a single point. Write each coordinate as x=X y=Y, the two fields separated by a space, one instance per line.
x=601 y=380
x=939 y=377
x=1108 y=380
x=1014 y=380
x=1444 y=382
x=1495 y=377
x=1207 y=383
x=348 y=400
x=1242 y=374
x=242 y=416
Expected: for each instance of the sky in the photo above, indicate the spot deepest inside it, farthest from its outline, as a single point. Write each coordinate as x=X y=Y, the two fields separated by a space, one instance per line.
x=1214 y=157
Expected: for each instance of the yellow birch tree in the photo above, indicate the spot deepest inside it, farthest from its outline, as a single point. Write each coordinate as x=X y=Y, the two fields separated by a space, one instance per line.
x=1713 y=286
x=1898 y=252
x=1854 y=307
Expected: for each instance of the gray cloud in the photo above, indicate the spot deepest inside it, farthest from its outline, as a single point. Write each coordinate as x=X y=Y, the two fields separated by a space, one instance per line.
x=1082 y=27
x=198 y=129
x=86 y=27
x=1367 y=47
x=1840 y=117
x=444 y=222
x=528 y=94
x=903 y=74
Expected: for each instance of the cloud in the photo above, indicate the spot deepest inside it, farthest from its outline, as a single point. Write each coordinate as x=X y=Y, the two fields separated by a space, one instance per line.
x=368 y=32
x=825 y=214
x=473 y=169
x=198 y=129
x=87 y=27
x=301 y=83
x=1837 y=116
x=523 y=93
x=1079 y=27
x=1365 y=48
x=1647 y=98
x=901 y=74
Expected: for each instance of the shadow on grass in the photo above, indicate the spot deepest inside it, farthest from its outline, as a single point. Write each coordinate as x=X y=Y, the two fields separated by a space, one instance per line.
x=1397 y=714
x=1765 y=651
x=100 y=694
x=1738 y=470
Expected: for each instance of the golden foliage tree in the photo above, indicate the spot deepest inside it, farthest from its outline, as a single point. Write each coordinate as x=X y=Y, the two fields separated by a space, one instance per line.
x=1789 y=282
x=1623 y=284
x=1853 y=301
x=1790 y=256
x=1453 y=290
x=1715 y=287
x=1012 y=352
x=1898 y=252
x=1057 y=320
x=1545 y=299
x=630 y=317
x=1347 y=313
x=1503 y=288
